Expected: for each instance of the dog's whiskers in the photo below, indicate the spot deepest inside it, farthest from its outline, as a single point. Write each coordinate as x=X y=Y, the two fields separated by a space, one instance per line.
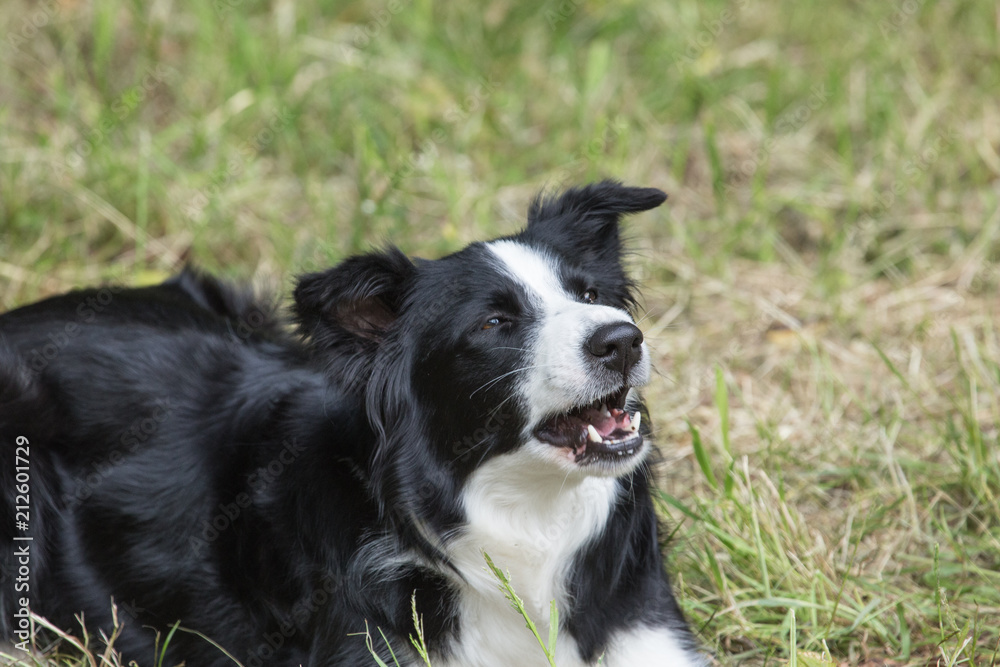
x=500 y=377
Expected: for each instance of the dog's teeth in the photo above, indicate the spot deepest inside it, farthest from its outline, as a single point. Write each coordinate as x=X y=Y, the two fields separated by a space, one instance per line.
x=592 y=433
x=636 y=418
x=630 y=452
x=607 y=413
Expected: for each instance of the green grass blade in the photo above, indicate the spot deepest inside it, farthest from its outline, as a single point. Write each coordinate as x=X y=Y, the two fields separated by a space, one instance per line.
x=702 y=456
x=722 y=404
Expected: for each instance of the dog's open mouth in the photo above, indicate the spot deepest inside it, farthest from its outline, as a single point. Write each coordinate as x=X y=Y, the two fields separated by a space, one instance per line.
x=602 y=430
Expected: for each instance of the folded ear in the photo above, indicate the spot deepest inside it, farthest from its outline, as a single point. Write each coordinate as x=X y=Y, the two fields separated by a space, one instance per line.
x=587 y=218
x=598 y=204
x=356 y=302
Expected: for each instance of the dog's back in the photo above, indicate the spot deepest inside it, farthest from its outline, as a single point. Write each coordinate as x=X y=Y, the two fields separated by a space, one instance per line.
x=144 y=412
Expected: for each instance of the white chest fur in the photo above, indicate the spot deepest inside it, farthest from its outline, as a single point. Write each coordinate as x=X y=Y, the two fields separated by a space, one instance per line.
x=531 y=525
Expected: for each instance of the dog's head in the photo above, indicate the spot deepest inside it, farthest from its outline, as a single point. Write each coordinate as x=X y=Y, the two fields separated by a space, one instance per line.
x=524 y=343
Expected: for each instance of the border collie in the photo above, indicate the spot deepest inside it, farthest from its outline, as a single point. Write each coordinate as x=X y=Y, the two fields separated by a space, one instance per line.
x=178 y=450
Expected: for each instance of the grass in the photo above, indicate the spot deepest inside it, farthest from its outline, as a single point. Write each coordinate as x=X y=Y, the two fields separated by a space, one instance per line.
x=418 y=641
x=517 y=604
x=821 y=289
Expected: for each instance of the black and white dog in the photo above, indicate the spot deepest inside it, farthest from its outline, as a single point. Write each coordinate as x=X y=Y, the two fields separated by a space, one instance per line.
x=172 y=448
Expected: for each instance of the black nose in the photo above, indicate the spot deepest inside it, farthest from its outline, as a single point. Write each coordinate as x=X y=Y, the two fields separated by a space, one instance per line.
x=618 y=346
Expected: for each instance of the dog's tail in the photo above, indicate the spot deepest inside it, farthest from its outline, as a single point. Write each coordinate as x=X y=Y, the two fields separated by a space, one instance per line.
x=240 y=305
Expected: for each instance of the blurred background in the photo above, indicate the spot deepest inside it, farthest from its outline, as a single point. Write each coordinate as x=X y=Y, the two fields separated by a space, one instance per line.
x=821 y=288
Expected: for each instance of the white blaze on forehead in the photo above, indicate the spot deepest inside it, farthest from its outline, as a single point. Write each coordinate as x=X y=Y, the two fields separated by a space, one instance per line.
x=559 y=377
x=537 y=272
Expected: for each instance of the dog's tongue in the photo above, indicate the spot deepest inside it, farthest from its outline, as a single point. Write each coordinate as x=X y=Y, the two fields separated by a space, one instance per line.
x=606 y=421
x=573 y=430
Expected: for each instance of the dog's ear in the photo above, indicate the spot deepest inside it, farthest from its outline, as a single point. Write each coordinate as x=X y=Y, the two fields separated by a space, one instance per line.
x=354 y=303
x=587 y=218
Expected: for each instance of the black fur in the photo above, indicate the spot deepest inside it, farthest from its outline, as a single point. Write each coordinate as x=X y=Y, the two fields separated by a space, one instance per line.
x=195 y=459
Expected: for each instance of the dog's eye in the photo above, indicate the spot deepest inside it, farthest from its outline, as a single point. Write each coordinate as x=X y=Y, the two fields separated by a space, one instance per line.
x=590 y=296
x=493 y=322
